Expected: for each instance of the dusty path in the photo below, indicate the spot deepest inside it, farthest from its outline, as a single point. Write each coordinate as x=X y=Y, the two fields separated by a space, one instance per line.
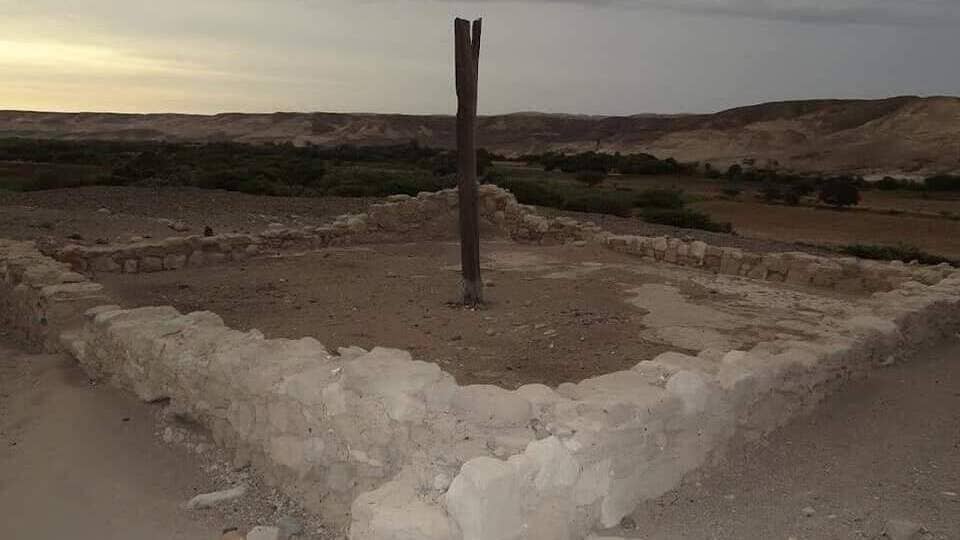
x=81 y=462
x=884 y=448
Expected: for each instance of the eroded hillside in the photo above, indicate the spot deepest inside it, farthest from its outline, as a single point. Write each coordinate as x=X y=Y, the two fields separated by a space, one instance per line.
x=896 y=135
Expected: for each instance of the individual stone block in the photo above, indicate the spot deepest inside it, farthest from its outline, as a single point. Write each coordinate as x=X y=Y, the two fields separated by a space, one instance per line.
x=485 y=501
x=174 y=262
x=730 y=261
x=105 y=263
x=151 y=264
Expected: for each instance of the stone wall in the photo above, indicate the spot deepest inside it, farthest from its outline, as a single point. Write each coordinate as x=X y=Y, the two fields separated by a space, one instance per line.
x=611 y=441
x=40 y=297
x=434 y=215
x=392 y=448
x=398 y=450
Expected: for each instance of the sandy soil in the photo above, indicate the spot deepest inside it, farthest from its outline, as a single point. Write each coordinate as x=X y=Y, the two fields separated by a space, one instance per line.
x=533 y=330
x=884 y=448
x=57 y=214
x=84 y=461
x=554 y=314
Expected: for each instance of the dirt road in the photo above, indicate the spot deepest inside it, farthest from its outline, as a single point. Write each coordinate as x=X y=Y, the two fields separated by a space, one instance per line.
x=82 y=462
x=886 y=448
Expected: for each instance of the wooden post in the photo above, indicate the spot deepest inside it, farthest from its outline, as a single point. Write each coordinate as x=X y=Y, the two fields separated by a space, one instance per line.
x=467 y=49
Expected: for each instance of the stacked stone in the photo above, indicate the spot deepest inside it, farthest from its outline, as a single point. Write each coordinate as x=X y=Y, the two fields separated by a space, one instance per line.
x=325 y=427
x=398 y=449
x=400 y=215
x=41 y=297
x=847 y=274
x=155 y=256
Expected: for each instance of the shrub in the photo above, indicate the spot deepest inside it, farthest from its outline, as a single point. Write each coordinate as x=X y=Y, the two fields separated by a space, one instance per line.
x=803 y=188
x=901 y=252
x=791 y=197
x=710 y=172
x=535 y=193
x=591 y=178
x=599 y=203
x=685 y=218
x=261 y=186
x=943 y=182
x=734 y=172
x=659 y=198
x=839 y=193
x=770 y=192
x=889 y=183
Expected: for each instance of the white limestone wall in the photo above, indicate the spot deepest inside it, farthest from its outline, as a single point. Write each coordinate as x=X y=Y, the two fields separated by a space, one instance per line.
x=434 y=215
x=40 y=297
x=398 y=450
x=393 y=448
x=611 y=441
x=325 y=427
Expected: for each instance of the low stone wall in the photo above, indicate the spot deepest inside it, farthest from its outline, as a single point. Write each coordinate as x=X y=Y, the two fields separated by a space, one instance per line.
x=393 y=448
x=40 y=297
x=435 y=215
x=397 y=449
x=431 y=215
x=325 y=427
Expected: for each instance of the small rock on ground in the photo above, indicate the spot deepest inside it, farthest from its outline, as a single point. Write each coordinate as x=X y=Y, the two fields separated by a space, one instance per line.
x=206 y=500
x=901 y=529
x=289 y=526
x=264 y=533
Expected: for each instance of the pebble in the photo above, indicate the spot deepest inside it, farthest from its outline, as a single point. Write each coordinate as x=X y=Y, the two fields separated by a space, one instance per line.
x=901 y=529
x=206 y=500
x=103 y=210
x=441 y=482
x=491 y=332
x=264 y=533
x=231 y=534
x=809 y=511
x=289 y=526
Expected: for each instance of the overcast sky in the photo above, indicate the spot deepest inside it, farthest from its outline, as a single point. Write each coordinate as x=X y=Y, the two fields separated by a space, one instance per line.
x=577 y=56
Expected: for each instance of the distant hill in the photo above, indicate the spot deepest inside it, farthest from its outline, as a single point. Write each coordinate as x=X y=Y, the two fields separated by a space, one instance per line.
x=896 y=135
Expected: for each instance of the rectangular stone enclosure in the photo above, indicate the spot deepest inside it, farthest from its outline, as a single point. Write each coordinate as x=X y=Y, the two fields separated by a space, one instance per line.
x=392 y=447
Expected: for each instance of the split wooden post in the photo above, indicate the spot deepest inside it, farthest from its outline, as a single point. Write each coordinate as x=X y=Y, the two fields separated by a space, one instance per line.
x=467 y=49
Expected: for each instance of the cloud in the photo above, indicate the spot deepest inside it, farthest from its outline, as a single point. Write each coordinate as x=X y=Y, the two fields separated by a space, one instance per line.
x=886 y=12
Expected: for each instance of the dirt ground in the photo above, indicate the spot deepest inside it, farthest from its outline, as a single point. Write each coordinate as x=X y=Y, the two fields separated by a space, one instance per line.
x=58 y=214
x=554 y=314
x=884 y=448
x=826 y=226
x=54 y=216
x=85 y=461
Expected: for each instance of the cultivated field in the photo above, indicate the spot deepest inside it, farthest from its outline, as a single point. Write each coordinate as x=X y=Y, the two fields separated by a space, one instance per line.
x=825 y=227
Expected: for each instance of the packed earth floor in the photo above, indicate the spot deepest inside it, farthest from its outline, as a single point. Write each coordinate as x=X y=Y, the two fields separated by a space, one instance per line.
x=553 y=314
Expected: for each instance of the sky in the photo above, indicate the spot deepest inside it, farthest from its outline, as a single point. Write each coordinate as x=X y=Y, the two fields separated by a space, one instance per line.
x=605 y=57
